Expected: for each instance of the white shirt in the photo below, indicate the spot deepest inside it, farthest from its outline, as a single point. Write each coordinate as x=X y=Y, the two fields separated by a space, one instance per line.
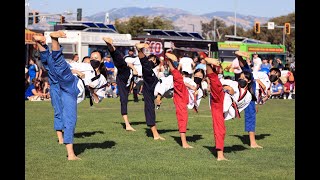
x=163 y=85
x=228 y=110
x=193 y=101
x=89 y=74
x=264 y=78
x=136 y=63
x=186 y=64
x=235 y=64
x=256 y=64
x=96 y=84
x=85 y=68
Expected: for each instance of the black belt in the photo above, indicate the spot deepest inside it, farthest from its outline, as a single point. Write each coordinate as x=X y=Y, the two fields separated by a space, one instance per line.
x=91 y=103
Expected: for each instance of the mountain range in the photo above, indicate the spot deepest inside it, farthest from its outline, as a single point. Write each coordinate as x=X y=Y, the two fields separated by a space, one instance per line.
x=182 y=20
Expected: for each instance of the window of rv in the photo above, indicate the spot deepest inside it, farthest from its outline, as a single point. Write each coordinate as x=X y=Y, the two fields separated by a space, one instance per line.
x=123 y=49
x=68 y=50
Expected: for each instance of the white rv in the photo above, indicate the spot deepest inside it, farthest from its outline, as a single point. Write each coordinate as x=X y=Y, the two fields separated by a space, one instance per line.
x=85 y=37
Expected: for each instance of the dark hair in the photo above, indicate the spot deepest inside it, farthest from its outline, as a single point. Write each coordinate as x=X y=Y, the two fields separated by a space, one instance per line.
x=199 y=70
x=85 y=58
x=155 y=57
x=100 y=52
x=74 y=56
x=248 y=75
x=277 y=70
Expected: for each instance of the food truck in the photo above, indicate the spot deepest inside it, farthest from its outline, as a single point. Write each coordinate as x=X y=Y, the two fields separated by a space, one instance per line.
x=262 y=48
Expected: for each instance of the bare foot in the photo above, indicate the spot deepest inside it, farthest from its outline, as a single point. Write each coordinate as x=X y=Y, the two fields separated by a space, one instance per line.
x=195 y=109
x=73 y=158
x=40 y=39
x=159 y=138
x=108 y=40
x=222 y=159
x=58 y=34
x=130 y=129
x=212 y=61
x=187 y=146
x=171 y=56
x=256 y=146
x=139 y=46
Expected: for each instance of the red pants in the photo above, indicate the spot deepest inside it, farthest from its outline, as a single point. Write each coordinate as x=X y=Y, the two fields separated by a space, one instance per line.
x=217 y=97
x=180 y=99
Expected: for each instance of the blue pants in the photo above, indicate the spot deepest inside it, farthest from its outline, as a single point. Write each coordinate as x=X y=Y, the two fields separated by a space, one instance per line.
x=250 y=112
x=250 y=117
x=150 y=80
x=47 y=61
x=69 y=92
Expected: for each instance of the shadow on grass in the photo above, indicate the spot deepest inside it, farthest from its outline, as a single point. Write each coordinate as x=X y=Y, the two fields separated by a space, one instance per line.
x=160 y=131
x=193 y=138
x=81 y=147
x=245 y=138
x=87 y=134
x=233 y=148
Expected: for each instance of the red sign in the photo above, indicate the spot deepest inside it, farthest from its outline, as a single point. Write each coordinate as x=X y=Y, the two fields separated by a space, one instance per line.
x=155 y=47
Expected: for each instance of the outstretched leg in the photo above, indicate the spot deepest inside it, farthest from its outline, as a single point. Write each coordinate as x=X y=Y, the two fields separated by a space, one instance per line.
x=122 y=80
x=180 y=99
x=69 y=92
x=55 y=93
x=216 y=102
x=150 y=80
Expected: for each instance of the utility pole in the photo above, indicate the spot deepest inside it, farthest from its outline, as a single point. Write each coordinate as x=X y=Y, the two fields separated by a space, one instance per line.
x=214 y=28
x=26 y=13
x=192 y=27
x=235 y=17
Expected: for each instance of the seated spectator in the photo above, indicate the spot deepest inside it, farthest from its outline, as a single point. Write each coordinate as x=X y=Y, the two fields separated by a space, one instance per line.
x=286 y=87
x=276 y=90
x=31 y=93
x=114 y=89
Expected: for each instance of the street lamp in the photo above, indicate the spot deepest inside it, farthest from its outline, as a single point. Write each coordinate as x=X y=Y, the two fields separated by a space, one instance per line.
x=192 y=27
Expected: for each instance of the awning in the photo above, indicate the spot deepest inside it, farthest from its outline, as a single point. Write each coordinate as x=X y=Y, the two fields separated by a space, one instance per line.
x=28 y=36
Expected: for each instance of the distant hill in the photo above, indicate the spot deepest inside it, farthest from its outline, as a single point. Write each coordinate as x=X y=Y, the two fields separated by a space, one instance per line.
x=181 y=19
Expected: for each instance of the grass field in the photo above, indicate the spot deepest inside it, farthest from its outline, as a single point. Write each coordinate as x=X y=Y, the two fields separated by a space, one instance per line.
x=109 y=152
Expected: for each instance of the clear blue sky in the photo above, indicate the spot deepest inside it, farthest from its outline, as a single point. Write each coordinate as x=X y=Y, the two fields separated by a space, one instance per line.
x=264 y=8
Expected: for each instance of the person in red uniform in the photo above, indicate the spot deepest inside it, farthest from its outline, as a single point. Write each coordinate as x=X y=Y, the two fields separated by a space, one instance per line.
x=180 y=99
x=216 y=102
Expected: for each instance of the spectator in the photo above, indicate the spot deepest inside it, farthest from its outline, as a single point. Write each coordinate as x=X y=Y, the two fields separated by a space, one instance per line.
x=110 y=68
x=32 y=93
x=86 y=59
x=256 y=62
x=75 y=58
x=33 y=70
x=279 y=64
x=276 y=87
x=271 y=63
x=265 y=64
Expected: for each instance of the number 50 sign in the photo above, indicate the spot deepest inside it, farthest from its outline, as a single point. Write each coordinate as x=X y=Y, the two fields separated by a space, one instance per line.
x=155 y=47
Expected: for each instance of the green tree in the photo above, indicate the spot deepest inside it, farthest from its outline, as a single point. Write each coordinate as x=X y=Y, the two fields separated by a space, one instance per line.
x=136 y=24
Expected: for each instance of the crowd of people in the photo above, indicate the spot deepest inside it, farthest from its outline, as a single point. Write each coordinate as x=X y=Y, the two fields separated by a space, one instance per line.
x=188 y=78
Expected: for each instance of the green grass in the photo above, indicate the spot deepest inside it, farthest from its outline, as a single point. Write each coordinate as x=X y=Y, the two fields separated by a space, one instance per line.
x=109 y=152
